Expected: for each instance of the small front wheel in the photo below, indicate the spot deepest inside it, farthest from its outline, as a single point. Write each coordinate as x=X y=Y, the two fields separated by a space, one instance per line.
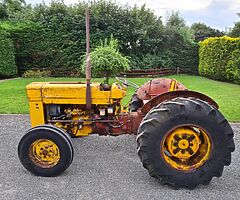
x=45 y=151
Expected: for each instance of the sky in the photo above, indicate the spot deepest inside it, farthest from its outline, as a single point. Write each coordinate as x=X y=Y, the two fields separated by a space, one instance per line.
x=219 y=14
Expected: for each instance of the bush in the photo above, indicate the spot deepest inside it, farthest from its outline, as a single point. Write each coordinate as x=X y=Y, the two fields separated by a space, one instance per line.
x=36 y=74
x=34 y=47
x=233 y=67
x=7 y=58
x=107 y=61
x=37 y=47
x=214 y=56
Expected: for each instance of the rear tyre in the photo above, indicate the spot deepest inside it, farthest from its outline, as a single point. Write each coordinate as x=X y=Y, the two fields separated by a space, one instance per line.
x=185 y=142
x=45 y=151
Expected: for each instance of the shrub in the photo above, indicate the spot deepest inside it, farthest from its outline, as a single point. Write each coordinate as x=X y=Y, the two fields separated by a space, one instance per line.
x=7 y=58
x=214 y=56
x=107 y=61
x=233 y=67
x=36 y=74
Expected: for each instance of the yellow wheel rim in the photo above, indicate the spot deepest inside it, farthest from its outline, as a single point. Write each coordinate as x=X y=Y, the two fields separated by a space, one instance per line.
x=186 y=148
x=44 y=153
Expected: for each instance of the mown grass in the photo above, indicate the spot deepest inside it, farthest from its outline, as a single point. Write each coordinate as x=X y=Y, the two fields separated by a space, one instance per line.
x=13 y=96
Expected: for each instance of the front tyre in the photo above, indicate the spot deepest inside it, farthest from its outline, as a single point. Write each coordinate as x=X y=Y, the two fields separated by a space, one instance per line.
x=45 y=151
x=185 y=142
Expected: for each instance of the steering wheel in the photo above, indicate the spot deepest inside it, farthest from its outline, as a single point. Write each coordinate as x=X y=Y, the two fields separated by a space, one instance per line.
x=127 y=83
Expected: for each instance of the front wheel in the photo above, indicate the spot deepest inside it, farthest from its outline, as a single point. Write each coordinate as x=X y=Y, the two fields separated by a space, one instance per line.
x=185 y=142
x=45 y=151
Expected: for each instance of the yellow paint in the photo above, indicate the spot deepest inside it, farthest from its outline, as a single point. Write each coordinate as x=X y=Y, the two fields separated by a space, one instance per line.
x=36 y=113
x=179 y=141
x=173 y=85
x=72 y=93
x=83 y=129
x=183 y=144
x=78 y=129
x=44 y=153
x=117 y=91
x=186 y=148
x=43 y=93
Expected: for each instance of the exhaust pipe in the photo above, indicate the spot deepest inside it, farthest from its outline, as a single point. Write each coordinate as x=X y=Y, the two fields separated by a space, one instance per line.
x=88 y=63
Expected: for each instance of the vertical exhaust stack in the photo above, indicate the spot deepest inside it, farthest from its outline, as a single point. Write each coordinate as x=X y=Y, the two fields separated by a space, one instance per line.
x=88 y=63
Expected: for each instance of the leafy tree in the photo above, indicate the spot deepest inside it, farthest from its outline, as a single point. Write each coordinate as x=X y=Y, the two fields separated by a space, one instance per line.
x=3 y=10
x=179 y=44
x=107 y=61
x=145 y=32
x=174 y=20
x=202 y=32
x=235 y=32
x=11 y=8
x=53 y=36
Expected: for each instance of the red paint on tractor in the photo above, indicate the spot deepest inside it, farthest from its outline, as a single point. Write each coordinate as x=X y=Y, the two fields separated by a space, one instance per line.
x=127 y=123
x=156 y=87
x=176 y=94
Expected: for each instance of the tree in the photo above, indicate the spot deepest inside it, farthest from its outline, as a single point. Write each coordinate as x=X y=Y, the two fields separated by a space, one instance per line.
x=235 y=32
x=179 y=43
x=3 y=11
x=175 y=20
x=107 y=61
x=202 y=31
x=57 y=37
x=10 y=8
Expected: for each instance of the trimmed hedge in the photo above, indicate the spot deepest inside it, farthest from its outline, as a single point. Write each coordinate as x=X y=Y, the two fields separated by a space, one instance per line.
x=34 y=47
x=233 y=67
x=7 y=58
x=40 y=48
x=215 y=58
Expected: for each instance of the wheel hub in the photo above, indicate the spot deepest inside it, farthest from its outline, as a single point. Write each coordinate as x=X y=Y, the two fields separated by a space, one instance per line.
x=186 y=147
x=183 y=143
x=44 y=153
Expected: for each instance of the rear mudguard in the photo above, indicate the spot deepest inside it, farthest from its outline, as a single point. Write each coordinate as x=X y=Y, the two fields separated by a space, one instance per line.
x=174 y=94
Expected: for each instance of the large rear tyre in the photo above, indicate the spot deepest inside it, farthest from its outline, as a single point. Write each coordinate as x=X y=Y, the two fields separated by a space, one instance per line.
x=185 y=142
x=45 y=151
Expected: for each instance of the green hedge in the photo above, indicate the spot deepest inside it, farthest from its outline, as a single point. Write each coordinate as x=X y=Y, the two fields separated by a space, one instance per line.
x=217 y=58
x=34 y=48
x=233 y=67
x=7 y=58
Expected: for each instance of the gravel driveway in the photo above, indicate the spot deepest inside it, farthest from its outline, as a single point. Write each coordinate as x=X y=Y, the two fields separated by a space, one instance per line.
x=103 y=168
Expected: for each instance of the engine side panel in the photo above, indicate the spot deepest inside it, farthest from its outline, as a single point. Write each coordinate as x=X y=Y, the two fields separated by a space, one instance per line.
x=64 y=105
x=62 y=93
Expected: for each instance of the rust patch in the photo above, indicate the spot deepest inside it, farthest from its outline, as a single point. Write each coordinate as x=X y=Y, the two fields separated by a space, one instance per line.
x=156 y=87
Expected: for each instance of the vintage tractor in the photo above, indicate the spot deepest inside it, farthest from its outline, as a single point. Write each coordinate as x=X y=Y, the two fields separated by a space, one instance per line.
x=182 y=138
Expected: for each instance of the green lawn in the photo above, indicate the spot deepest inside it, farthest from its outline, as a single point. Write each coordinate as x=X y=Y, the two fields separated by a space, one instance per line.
x=14 y=100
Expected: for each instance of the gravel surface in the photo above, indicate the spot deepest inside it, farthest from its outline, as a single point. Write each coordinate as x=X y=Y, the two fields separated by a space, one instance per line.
x=103 y=168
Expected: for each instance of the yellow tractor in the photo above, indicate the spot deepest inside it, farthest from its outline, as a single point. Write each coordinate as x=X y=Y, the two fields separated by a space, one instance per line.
x=182 y=138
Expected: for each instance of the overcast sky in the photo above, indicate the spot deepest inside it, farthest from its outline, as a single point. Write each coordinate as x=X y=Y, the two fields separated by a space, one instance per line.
x=215 y=13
